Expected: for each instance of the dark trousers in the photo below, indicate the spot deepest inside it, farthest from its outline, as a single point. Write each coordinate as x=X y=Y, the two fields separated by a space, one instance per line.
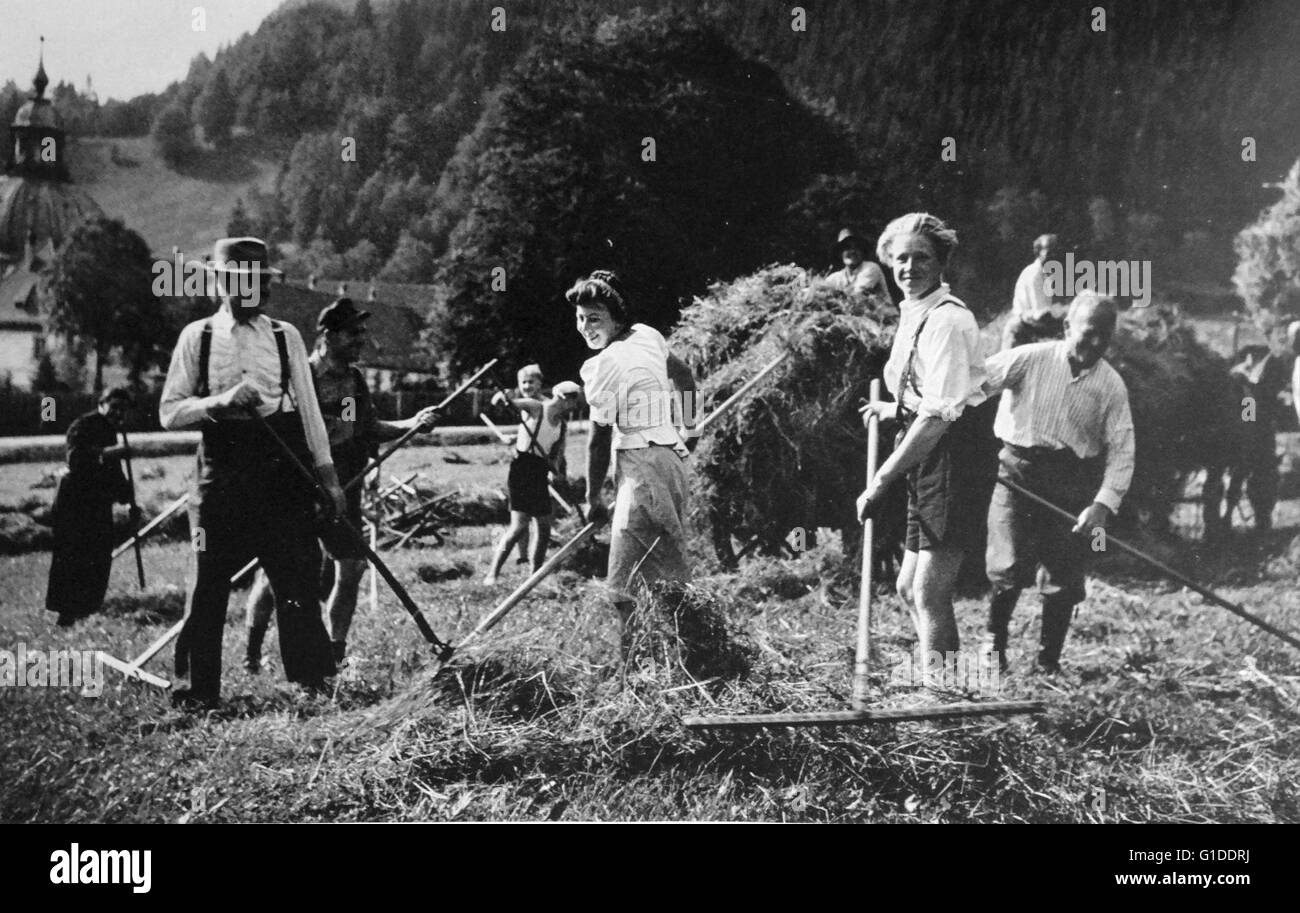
x=78 y=582
x=248 y=502
x=1028 y=542
x=83 y=549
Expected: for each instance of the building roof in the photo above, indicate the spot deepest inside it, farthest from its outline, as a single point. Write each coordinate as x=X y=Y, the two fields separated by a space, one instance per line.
x=50 y=209
x=18 y=300
x=38 y=112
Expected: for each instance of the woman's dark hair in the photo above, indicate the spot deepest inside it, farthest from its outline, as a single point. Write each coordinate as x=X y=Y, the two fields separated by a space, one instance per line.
x=604 y=288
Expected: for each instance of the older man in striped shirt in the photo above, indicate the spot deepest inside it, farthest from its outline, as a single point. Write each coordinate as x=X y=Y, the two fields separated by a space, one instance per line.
x=1067 y=436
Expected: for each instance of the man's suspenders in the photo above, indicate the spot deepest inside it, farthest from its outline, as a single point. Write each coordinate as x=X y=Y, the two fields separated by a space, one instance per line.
x=205 y=356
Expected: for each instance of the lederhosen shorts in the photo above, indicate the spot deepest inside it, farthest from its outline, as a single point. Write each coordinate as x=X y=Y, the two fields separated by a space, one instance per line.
x=526 y=485
x=947 y=498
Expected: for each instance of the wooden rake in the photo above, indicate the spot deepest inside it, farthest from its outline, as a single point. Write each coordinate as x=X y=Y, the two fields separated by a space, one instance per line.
x=494 y=617
x=379 y=460
x=862 y=712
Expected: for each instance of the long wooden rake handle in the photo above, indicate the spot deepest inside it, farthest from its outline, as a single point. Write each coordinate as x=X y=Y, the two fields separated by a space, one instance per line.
x=406 y=437
x=377 y=461
x=494 y=617
x=862 y=656
x=152 y=525
x=439 y=646
x=739 y=394
x=850 y=717
x=135 y=511
x=1160 y=566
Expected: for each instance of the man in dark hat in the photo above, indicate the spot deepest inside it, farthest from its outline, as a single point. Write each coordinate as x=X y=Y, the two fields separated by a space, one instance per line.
x=248 y=500
x=354 y=429
x=860 y=277
x=83 y=510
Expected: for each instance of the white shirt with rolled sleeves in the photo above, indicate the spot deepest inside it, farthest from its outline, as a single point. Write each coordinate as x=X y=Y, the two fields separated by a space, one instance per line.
x=1031 y=299
x=867 y=278
x=627 y=386
x=1045 y=405
x=242 y=352
x=949 y=365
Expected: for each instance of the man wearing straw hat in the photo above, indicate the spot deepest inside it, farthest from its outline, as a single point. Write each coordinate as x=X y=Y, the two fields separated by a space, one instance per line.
x=354 y=429
x=1067 y=436
x=247 y=501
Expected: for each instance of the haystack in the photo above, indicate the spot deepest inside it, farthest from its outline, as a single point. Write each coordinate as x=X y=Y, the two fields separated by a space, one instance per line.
x=1187 y=412
x=800 y=423
x=792 y=454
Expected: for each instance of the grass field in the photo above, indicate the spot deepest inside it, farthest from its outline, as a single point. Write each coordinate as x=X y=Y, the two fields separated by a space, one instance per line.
x=188 y=209
x=1171 y=710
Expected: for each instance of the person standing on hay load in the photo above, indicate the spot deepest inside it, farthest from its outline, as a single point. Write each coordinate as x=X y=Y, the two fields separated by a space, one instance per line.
x=860 y=277
x=248 y=501
x=539 y=454
x=632 y=385
x=83 y=510
x=1035 y=313
x=1067 y=436
x=355 y=431
x=936 y=373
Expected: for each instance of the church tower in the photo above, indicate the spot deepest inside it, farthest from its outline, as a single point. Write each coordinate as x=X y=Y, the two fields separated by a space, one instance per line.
x=38 y=201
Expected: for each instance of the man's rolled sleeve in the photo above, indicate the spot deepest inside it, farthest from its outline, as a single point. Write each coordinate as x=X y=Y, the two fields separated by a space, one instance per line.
x=304 y=391
x=1120 y=452
x=1004 y=370
x=179 y=408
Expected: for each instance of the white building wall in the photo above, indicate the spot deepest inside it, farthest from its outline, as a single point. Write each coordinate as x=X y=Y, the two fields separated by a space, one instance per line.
x=17 y=350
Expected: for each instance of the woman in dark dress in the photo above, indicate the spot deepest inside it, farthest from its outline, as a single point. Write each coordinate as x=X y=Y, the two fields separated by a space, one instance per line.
x=83 y=510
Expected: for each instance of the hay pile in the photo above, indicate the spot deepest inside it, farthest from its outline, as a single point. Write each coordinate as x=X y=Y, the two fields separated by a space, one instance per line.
x=791 y=454
x=21 y=532
x=1186 y=409
x=441 y=571
x=689 y=628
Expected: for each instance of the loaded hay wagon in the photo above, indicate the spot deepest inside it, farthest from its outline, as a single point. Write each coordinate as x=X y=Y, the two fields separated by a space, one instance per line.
x=791 y=456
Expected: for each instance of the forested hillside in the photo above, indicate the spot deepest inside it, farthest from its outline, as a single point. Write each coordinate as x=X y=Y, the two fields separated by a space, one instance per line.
x=1124 y=136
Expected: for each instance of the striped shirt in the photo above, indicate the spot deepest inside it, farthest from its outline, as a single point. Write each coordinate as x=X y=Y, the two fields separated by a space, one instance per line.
x=1045 y=405
x=949 y=366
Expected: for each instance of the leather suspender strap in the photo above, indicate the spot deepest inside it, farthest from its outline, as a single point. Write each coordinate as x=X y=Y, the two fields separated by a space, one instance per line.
x=205 y=357
x=282 y=345
x=908 y=377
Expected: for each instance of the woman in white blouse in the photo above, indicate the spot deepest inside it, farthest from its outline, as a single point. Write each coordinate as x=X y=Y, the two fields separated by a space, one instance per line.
x=935 y=371
x=636 y=389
